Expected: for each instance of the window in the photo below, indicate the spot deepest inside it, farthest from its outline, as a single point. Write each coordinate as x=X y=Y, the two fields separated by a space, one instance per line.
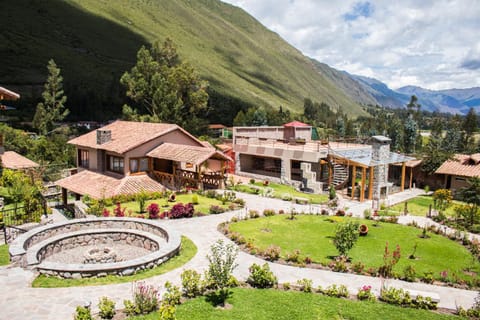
x=83 y=158
x=138 y=165
x=115 y=164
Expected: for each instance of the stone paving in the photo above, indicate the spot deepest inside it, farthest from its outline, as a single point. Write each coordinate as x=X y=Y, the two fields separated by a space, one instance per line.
x=19 y=301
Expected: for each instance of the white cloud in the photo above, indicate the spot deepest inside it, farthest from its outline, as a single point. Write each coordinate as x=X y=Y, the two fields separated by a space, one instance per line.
x=430 y=43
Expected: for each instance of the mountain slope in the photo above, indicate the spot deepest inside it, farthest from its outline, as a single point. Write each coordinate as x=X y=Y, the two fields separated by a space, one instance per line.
x=94 y=42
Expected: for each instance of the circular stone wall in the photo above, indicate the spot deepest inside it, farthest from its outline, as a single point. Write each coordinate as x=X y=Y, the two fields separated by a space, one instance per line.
x=59 y=249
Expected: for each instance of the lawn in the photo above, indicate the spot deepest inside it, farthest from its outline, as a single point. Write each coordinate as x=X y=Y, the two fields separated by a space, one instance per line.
x=419 y=206
x=280 y=190
x=4 y=255
x=187 y=252
x=312 y=235
x=257 y=304
x=203 y=206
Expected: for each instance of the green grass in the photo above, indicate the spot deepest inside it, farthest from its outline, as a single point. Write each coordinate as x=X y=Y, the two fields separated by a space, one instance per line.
x=312 y=235
x=187 y=252
x=418 y=206
x=203 y=206
x=237 y=55
x=281 y=189
x=256 y=304
x=4 y=255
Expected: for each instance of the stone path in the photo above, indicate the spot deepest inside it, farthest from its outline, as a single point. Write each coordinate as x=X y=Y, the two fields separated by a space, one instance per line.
x=19 y=301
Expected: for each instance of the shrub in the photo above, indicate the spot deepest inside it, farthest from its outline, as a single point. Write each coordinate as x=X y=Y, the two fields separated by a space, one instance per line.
x=307 y=260
x=105 y=212
x=409 y=273
x=239 y=201
x=145 y=299
x=334 y=291
x=272 y=253
x=195 y=199
x=428 y=277
x=268 y=212
x=390 y=259
x=332 y=194
x=293 y=256
x=286 y=286
x=212 y=194
x=191 y=283
x=82 y=313
x=306 y=285
x=365 y=293
x=172 y=294
x=167 y=312
x=346 y=235
x=221 y=265
x=340 y=213
x=215 y=209
x=253 y=214
x=358 y=267
x=402 y=298
x=107 y=308
x=339 y=264
x=118 y=211
x=367 y=213
x=153 y=211
x=287 y=197
x=252 y=181
x=261 y=276
x=141 y=198
x=181 y=211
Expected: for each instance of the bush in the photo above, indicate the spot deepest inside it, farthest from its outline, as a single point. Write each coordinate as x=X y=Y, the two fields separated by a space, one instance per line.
x=106 y=213
x=253 y=214
x=346 y=235
x=261 y=276
x=390 y=259
x=402 y=298
x=286 y=286
x=334 y=291
x=365 y=293
x=167 y=312
x=293 y=256
x=272 y=253
x=339 y=264
x=428 y=277
x=153 y=211
x=191 y=283
x=195 y=199
x=358 y=267
x=181 y=211
x=287 y=197
x=214 y=209
x=145 y=300
x=212 y=194
x=306 y=285
x=409 y=273
x=82 y=313
x=141 y=198
x=172 y=294
x=107 y=308
x=252 y=181
x=239 y=201
x=268 y=212
x=118 y=211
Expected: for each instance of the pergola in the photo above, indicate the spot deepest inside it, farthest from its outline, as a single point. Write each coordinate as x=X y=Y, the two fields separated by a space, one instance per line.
x=362 y=160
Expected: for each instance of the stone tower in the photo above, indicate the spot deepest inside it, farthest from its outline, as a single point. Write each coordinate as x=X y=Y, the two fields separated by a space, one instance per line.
x=380 y=157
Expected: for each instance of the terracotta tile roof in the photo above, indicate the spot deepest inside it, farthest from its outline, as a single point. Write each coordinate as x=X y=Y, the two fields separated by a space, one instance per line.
x=461 y=165
x=127 y=135
x=296 y=124
x=216 y=126
x=6 y=94
x=184 y=153
x=12 y=160
x=100 y=186
x=224 y=147
x=410 y=163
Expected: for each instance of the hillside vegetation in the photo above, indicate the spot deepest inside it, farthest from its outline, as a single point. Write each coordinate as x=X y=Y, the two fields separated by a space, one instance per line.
x=95 y=41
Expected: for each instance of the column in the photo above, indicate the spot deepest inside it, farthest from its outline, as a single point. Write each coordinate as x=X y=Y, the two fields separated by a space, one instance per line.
x=370 y=184
x=362 y=187
x=402 y=181
x=354 y=174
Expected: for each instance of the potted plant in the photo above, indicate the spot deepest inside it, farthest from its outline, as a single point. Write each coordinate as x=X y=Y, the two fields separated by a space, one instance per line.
x=363 y=229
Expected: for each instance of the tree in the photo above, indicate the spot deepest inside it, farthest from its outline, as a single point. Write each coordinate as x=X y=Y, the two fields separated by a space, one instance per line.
x=52 y=109
x=471 y=195
x=346 y=235
x=410 y=134
x=165 y=89
x=221 y=265
x=470 y=125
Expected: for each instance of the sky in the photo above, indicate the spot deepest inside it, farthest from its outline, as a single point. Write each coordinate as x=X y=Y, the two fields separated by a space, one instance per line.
x=434 y=44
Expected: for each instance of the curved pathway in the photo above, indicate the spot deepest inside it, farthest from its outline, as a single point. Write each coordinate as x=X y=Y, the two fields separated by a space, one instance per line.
x=18 y=300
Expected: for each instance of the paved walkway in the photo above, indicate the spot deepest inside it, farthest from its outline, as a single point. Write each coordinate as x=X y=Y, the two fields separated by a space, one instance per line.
x=19 y=301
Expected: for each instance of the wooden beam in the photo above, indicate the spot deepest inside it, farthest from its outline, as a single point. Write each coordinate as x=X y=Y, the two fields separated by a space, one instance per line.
x=354 y=174
x=370 y=184
x=330 y=175
x=362 y=187
x=64 y=196
x=402 y=181
x=411 y=178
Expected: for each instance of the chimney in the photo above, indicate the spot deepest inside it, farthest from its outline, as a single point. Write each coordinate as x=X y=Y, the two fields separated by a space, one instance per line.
x=103 y=136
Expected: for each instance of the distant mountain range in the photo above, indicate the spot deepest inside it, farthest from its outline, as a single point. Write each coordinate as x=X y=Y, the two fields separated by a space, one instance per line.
x=371 y=91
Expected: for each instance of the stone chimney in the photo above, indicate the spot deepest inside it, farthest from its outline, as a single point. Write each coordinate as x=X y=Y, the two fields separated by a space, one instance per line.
x=380 y=157
x=103 y=136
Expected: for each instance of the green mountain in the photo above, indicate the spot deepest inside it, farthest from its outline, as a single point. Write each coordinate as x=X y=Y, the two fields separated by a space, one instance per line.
x=95 y=41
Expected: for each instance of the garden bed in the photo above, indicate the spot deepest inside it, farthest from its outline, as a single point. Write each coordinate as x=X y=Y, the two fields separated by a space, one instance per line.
x=307 y=240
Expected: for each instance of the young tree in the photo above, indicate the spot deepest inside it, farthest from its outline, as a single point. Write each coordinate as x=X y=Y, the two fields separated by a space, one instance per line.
x=346 y=235
x=165 y=89
x=221 y=265
x=471 y=195
x=470 y=125
x=52 y=109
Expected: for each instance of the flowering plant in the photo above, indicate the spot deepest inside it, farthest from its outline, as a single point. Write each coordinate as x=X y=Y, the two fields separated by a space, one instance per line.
x=365 y=293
